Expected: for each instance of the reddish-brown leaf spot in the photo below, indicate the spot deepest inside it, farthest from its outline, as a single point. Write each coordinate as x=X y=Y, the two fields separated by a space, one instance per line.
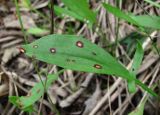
x=52 y=50
x=97 y=66
x=21 y=50
x=35 y=46
x=79 y=44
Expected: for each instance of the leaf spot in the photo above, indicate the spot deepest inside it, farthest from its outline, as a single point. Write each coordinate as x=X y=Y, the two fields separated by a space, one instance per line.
x=52 y=50
x=22 y=50
x=97 y=66
x=70 y=60
x=79 y=44
x=35 y=46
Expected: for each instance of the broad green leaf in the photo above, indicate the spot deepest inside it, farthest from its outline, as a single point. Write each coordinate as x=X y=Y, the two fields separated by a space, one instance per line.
x=77 y=53
x=136 y=63
x=73 y=52
x=78 y=9
x=37 y=31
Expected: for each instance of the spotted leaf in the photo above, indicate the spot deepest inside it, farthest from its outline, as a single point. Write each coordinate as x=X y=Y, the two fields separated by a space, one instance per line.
x=77 y=53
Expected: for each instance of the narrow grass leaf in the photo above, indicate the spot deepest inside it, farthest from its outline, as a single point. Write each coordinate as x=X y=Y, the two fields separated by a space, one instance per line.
x=77 y=53
x=153 y=3
x=117 y=12
x=141 y=21
x=147 y=21
x=135 y=66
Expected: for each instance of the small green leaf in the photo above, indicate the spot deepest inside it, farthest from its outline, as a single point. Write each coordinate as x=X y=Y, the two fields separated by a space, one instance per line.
x=25 y=102
x=78 y=9
x=139 y=110
x=37 y=31
x=14 y=99
x=36 y=92
x=26 y=4
x=59 y=10
x=136 y=64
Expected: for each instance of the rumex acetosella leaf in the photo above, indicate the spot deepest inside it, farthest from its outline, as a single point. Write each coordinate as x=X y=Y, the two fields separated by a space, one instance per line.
x=77 y=53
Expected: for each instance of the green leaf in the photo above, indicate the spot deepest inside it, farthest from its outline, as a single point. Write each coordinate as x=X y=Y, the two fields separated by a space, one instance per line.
x=153 y=3
x=35 y=93
x=141 y=21
x=139 y=110
x=136 y=64
x=148 y=21
x=37 y=31
x=78 y=9
x=137 y=58
x=117 y=12
x=77 y=53
x=14 y=99
x=59 y=10
x=26 y=4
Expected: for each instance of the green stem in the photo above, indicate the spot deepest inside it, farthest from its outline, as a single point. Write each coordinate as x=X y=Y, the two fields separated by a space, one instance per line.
x=20 y=21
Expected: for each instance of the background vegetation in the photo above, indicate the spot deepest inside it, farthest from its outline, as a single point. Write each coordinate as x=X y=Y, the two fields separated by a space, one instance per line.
x=126 y=29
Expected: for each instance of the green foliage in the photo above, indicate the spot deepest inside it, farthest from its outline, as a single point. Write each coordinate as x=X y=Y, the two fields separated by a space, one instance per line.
x=77 y=53
x=78 y=9
x=37 y=31
x=136 y=63
x=153 y=3
x=147 y=21
x=141 y=21
x=26 y=102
